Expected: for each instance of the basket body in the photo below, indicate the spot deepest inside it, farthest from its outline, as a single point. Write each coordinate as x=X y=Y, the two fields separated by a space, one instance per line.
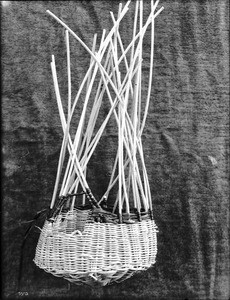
x=93 y=253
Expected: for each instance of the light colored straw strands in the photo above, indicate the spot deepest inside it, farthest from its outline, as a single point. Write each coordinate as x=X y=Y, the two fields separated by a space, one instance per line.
x=114 y=74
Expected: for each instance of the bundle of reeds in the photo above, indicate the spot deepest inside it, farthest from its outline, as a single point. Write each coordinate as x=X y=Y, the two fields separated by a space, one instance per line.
x=82 y=240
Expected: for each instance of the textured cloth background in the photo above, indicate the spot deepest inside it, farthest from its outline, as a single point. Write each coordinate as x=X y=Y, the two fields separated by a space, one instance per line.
x=187 y=153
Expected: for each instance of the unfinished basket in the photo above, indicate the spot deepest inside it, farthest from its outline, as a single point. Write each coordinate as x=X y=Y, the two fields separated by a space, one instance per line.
x=83 y=240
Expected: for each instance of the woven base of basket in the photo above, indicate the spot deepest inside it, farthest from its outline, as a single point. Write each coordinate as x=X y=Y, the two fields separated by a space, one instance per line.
x=95 y=253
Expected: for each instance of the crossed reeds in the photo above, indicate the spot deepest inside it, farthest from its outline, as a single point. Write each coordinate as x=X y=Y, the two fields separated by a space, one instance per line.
x=128 y=107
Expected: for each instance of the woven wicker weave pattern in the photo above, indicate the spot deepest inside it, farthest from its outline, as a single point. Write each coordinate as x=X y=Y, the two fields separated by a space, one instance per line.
x=102 y=253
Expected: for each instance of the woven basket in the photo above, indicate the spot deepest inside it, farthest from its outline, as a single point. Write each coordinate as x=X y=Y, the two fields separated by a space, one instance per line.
x=97 y=246
x=75 y=247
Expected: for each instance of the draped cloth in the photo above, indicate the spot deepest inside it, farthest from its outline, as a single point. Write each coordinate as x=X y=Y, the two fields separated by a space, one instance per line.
x=186 y=142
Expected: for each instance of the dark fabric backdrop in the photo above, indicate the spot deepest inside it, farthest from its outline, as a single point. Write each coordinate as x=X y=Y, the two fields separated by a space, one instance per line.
x=186 y=150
